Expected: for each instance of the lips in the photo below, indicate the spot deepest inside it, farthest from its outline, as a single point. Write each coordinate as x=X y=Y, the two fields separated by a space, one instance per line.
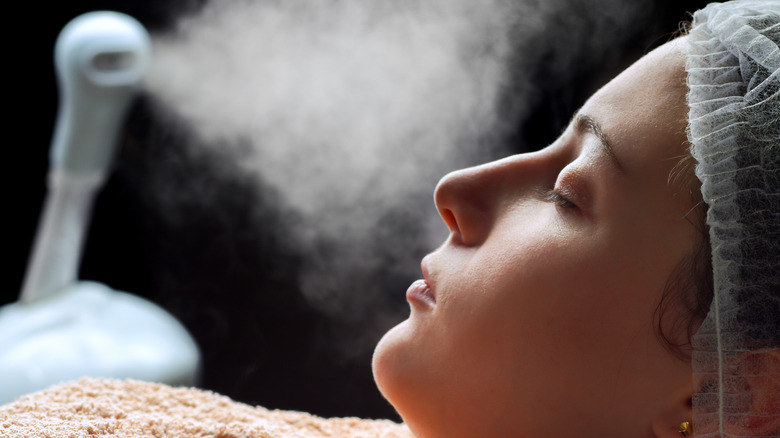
x=421 y=291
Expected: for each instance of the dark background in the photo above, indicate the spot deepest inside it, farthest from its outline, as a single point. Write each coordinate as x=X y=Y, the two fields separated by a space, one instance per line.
x=265 y=346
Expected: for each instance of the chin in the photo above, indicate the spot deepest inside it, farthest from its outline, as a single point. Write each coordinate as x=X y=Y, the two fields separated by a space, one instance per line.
x=395 y=369
x=388 y=358
x=402 y=377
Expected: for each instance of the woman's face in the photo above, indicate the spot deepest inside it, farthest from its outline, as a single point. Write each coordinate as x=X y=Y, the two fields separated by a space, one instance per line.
x=538 y=314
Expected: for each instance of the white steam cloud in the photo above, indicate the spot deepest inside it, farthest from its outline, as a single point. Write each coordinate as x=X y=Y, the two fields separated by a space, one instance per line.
x=344 y=101
x=353 y=110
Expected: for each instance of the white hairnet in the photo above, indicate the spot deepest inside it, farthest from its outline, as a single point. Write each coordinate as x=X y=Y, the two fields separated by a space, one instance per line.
x=734 y=128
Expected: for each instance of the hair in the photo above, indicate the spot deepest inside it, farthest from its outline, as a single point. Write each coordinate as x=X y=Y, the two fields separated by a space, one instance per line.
x=689 y=290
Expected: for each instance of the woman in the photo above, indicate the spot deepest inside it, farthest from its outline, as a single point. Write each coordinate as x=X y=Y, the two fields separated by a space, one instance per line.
x=563 y=302
x=540 y=315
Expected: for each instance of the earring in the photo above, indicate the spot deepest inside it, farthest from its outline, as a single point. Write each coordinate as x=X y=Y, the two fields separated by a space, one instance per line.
x=685 y=428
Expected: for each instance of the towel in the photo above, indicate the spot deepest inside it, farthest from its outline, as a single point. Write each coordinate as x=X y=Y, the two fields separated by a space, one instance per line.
x=115 y=408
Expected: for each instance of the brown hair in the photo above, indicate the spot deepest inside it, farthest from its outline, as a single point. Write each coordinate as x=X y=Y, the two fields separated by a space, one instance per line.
x=689 y=290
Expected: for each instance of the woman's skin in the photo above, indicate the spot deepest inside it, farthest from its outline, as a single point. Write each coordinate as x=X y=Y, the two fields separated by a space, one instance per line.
x=537 y=316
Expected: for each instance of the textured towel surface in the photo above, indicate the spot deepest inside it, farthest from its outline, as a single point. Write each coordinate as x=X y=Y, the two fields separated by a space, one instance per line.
x=101 y=408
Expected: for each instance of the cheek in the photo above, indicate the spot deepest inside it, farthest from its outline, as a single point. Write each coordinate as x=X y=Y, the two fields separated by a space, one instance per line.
x=542 y=307
x=516 y=306
x=530 y=282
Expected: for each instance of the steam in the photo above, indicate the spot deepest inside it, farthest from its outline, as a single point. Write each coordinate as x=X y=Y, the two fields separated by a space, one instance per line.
x=353 y=110
x=344 y=101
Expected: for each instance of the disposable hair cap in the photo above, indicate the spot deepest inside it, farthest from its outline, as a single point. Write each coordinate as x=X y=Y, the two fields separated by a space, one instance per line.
x=733 y=69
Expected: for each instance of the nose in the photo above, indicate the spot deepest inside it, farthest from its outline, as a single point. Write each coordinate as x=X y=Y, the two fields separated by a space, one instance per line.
x=471 y=200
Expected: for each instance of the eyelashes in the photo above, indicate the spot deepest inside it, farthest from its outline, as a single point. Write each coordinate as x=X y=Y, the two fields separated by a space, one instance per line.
x=559 y=198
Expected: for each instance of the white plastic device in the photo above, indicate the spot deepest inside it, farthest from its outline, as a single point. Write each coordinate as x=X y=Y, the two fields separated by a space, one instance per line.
x=61 y=328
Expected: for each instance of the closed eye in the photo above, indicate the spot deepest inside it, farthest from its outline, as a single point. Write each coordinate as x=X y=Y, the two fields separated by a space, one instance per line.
x=558 y=198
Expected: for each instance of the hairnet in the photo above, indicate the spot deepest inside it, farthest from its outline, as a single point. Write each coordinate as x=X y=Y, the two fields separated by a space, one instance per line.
x=734 y=130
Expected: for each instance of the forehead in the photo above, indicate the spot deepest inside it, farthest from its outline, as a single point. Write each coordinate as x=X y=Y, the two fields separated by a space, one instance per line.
x=643 y=110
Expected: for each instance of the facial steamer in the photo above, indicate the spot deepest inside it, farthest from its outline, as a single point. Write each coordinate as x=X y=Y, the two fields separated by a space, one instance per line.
x=61 y=328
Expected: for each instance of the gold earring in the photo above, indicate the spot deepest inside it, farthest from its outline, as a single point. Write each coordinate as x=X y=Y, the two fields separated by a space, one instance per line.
x=685 y=428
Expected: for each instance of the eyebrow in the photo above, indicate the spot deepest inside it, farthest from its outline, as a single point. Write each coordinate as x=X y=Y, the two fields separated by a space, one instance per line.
x=586 y=123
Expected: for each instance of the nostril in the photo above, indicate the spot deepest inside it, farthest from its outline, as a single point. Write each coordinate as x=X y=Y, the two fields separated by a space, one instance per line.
x=449 y=219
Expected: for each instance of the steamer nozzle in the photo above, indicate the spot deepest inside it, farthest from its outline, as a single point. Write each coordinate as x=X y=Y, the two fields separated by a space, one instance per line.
x=100 y=59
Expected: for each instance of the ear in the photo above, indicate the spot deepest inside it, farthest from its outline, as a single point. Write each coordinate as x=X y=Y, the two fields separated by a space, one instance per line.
x=754 y=382
x=667 y=423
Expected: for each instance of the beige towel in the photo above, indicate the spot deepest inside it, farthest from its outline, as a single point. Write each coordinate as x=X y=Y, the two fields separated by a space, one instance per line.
x=102 y=408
